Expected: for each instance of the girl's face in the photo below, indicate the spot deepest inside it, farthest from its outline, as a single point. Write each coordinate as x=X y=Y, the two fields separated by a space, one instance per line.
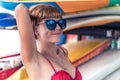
x=47 y=35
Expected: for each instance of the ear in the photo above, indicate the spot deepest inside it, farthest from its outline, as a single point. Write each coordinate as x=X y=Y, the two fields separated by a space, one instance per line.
x=36 y=31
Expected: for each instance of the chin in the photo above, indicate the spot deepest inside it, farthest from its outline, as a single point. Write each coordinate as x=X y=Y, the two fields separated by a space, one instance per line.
x=55 y=40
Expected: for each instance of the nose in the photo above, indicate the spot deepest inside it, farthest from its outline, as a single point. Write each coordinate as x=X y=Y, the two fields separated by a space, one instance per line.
x=57 y=27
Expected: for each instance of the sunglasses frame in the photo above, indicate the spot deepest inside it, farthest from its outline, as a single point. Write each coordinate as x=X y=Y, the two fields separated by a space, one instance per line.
x=51 y=24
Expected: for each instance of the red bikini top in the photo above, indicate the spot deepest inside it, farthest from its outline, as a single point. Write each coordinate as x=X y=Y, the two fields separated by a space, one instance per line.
x=63 y=75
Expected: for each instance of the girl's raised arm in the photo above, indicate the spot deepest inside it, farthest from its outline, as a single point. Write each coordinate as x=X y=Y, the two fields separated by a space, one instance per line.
x=28 y=43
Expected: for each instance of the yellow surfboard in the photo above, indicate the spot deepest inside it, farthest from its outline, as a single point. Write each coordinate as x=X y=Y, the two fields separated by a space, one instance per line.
x=80 y=52
x=21 y=74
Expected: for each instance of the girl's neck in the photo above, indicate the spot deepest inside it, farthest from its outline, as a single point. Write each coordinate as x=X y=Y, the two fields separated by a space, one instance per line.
x=46 y=47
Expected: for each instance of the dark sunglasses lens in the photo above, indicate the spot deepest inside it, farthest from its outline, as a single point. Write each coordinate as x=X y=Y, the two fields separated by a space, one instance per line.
x=51 y=24
x=62 y=23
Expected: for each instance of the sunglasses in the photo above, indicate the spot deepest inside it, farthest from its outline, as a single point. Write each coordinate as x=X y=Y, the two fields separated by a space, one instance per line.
x=51 y=24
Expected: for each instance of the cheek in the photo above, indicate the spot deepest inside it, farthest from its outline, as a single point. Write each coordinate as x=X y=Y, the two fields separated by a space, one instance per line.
x=45 y=35
x=42 y=31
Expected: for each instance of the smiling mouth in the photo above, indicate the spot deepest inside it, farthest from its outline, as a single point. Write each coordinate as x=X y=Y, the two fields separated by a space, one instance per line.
x=56 y=33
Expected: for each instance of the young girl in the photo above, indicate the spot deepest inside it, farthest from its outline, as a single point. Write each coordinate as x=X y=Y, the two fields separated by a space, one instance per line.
x=45 y=60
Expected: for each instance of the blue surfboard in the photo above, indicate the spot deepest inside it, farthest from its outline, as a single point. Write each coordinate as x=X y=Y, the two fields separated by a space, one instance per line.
x=5 y=15
x=7 y=22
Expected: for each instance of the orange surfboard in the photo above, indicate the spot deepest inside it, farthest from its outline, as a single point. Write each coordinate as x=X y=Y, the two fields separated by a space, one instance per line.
x=65 y=6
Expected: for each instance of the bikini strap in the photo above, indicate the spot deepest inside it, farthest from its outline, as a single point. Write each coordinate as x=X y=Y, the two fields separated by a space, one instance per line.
x=51 y=65
x=51 y=62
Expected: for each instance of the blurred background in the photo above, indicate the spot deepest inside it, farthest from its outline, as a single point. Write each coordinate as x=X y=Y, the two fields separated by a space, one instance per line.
x=92 y=37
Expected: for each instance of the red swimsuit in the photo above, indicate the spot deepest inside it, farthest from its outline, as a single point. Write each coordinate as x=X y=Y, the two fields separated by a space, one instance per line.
x=63 y=75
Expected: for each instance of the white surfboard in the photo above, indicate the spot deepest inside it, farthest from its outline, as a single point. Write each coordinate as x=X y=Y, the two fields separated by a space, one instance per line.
x=101 y=66
x=114 y=75
x=9 y=42
x=90 y=21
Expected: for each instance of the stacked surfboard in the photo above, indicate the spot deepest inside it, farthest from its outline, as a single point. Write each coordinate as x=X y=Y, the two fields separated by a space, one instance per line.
x=7 y=18
x=103 y=67
x=91 y=17
x=74 y=9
